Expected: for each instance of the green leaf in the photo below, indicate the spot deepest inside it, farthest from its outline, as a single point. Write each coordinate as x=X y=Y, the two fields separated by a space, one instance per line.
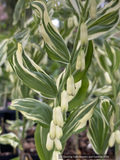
x=32 y=75
x=54 y=43
x=80 y=96
x=34 y=110
x=77 y=119
x=18 y=11
x=0 y=130
x=11 y=139
x=98 y=133
x=3 y=51
x=40 y=142
x=78 y=75
x=105 y=91
x=22 y=36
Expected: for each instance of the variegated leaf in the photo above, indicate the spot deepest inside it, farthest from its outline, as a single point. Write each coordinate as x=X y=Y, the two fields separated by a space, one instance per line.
x=3 y=51
x=55 y=45
x=34 y=110
x=78 y=119
x=32 y=75
x=98 y=133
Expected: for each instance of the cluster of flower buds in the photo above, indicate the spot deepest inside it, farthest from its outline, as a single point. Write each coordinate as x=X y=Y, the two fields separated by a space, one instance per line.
x=93 y=9
x=83 y=34
x=72 y=21
x=115 y=136
x=55 y=132
x=80 y=63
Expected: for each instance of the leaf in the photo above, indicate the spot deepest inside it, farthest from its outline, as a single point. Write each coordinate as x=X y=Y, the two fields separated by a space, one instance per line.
x=0 y=130
x=78 y=119
x=32 y=75
x=105 y=90
x=14 y=125
x=80 y=96
x=34 y=110
x=3 y=51
x=11 y=139
x=108 y=18
x=40 y=142
x=18 y=11
x=78 y=75
x=54 y=43
x=106 y=110
x=98 y=133
x=22 y=36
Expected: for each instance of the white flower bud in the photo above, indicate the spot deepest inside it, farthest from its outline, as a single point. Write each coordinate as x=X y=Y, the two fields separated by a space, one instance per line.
x=75 y=21
x=83 y=34
x=58 y=144
x=70 y=22
x=80 y=63
x=117 y=136
x=59 y=117
x=107 y=77
x=49 y=143
x=55 y=155
x=93 y=9
x=64 y=101
x=112 y=139
x=54 y=116
x=112 y=121
x=70 y=86
x=59 y=132
x=52 y=130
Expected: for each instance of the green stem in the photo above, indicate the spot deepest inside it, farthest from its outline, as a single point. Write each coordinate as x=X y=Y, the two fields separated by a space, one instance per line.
x=23 y=138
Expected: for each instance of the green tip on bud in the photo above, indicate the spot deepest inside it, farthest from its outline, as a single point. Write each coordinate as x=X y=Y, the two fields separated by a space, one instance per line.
x=70 y=85
x=59 y=117
x=112 y=140
x=107 y=77
x=80 y=63
x=59 y=132
x=49 y=143
x=83 y=34
x=58 y=144
x=64 y=101
x=52 y=130
x=117 y=136
x=93 y=9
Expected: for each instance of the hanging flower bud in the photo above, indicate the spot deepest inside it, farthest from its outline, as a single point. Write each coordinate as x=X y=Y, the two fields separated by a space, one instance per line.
x=107 y=77
x=83 y=34
x=75 y=21
x=58 y=144
x=70 y=22
x=56 y=155
x=59 y=117
x=49 y=143
x=52 y=130
x=112 y=121
x=93 y=9
x=54 y=116
x=70 y=86
x=117 y=136
x=59 y=132
x=112 y=139
x=80 y=64
x=64 y=101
